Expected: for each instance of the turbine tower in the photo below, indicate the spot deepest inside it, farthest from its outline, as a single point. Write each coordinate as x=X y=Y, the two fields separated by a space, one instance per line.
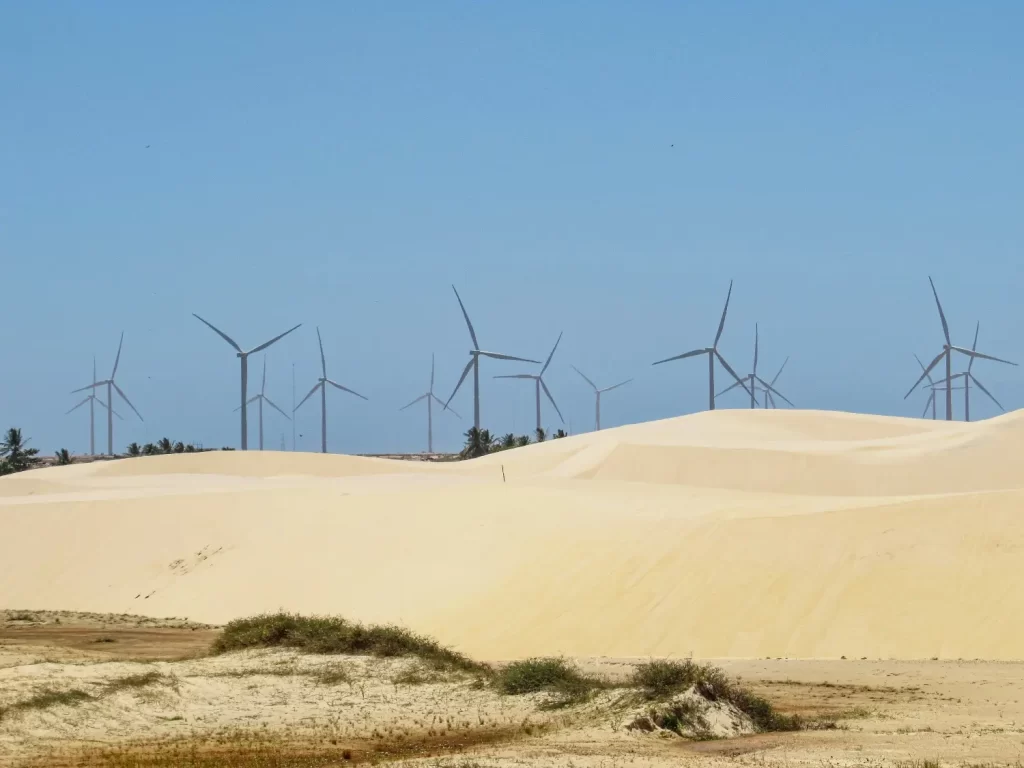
x=753 y=379
x=947 y=352
x=538 y=383
x=474 y=363
x=111 y=386
x=712 y=353
x=243 y=356
x=431 y=398
x=92 y=400
x=262 y=398
x=598 y=393
x=321 y=384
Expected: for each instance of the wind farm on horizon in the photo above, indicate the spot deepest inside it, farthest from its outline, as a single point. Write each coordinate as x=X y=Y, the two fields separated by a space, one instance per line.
x=938 y=380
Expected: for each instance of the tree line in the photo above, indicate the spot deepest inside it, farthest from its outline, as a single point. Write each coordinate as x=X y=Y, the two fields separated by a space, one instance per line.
x=480 y=442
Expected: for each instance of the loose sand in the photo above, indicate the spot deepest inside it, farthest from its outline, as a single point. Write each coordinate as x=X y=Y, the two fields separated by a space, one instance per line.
x=742 y=534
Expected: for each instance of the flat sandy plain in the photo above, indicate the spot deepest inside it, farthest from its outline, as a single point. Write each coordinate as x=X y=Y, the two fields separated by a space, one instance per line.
x=778 y=542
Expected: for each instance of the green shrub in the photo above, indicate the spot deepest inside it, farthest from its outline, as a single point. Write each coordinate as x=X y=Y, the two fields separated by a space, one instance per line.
x=556 y=676
x=332 y=634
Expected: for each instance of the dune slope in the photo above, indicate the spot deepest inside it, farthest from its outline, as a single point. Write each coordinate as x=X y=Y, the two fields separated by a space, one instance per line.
x=732 y=533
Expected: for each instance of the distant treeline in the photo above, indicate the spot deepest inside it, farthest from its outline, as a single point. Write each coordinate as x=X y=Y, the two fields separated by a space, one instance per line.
x=480 y=442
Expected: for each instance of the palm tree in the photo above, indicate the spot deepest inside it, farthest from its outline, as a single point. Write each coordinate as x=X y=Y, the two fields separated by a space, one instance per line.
x=541 y=434
x=190 y=448
x=134 y=449
x=63 y=457
x=164 y=445
x=179 y=447
x=16 y=456
x=522 y=440
x=478 y=443
x=508 y=441
x=561 y=433
x=149 y=450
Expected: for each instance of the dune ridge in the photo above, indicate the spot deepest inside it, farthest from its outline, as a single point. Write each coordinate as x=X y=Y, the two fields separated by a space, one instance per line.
x=722 y=534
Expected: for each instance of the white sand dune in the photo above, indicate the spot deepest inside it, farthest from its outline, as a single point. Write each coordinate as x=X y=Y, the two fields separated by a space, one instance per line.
x=724 y=534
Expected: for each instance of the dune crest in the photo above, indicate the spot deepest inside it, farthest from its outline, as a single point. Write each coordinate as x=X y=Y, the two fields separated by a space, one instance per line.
x=731 y=533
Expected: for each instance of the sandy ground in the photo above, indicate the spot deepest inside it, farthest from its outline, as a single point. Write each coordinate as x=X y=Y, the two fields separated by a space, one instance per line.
x=888 y=712
x=725 y=534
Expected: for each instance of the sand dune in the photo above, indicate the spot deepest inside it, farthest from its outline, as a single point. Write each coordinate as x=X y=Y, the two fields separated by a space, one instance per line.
x=725 y=534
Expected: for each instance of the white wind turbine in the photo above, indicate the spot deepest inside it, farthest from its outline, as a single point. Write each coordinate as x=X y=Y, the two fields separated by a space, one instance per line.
x=92 y=400
x=243 y=356
x=261 y=398
x=768 y=387
x=538 y=383
x=712 y=353
x=111 y=386
x=947 y=352
x=968 y=377
x=474 y=363
x=321 y=384
x=431 y=398
x=598 y=393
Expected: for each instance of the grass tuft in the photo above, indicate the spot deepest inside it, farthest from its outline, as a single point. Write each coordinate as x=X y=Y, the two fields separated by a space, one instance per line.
x=46 y=698
x=141 y=680
x=335 y=635
x=659 y=680
x=555 y=676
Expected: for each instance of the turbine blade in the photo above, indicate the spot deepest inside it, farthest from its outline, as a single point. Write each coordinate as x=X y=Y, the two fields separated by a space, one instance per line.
x=974 y=346
x=499 y=356
x=125 y=398
x=973 y=354
x=942 y=315
x=615 y=386
x=410 y=405
x=314 y=389
x=581 y=373
x=108 y=408
x=266 y=344
x=721 y=323
x=683 y=356
x=431 y=372
x=930 y=379
x=772 y=390
x=925 y=372
x=345 y=389
x=548 y=362
x=219 y=332
x=82 y=389
x=263 y=386
x=517 y=376
x=273 y=405
x=250 y=401
x=323 y=360
x=728 y=389
x=928 y=404
x=440 y=402
x=733 y=374
x=462 y=378
x=990 y=395
x=79 y=405
x=755 y=349
x=776 y=377
x=118 y=358
x=465 y=314
x=548 y=393
x=769 y=398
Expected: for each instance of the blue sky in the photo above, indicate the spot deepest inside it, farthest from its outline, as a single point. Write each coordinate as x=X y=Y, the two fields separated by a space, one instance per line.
x=596 y=168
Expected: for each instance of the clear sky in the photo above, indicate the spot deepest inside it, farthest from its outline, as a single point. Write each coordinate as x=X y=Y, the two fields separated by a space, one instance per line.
x=598 y=168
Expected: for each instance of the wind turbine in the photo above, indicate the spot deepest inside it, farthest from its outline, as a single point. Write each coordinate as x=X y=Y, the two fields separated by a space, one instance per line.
x=111 y=387
x=474 y=363
x=92 y=400
x=712 y=352
x=261 y=398
x=969 y=377
x=243 y=355
x=769 y=400
x=598 y=393
x=947 y=352
x=538 y=383
x=321 y=384
x=767 y=387
x=431 y=398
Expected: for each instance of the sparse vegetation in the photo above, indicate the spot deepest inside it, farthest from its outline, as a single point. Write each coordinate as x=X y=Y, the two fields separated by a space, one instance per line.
x=334 y=635
x=46 y=698
x=660 y=680
x=556 y=676
x=141 y=680
x=63 y=457
x=15 y=455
